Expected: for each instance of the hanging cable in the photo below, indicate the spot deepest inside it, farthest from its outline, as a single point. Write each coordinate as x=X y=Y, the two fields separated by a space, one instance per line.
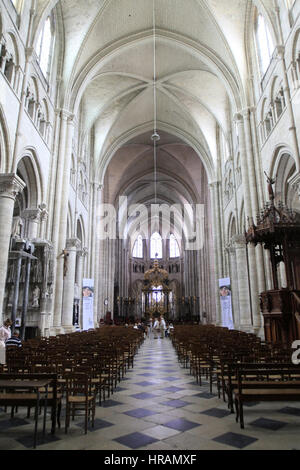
x=155 y=136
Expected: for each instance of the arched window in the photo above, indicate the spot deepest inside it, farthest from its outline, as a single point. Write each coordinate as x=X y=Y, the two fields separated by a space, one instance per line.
x=44 y=46
x=174 y=248
x=156 y=246
x=265 y=44
x=138 y=248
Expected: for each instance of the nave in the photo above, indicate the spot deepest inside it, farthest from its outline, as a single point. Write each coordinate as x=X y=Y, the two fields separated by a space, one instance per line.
x=159 y=406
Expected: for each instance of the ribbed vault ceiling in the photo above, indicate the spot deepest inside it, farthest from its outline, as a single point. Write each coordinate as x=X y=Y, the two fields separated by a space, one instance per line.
x=108 y=73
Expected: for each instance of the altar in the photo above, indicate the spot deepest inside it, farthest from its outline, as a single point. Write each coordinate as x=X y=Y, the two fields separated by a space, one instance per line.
x=157 y=297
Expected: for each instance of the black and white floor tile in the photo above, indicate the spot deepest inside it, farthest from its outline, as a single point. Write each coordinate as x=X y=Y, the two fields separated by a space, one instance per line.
x=159 y=406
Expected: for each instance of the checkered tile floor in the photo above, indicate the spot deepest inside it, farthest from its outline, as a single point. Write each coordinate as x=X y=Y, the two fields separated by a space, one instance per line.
x=160 y=407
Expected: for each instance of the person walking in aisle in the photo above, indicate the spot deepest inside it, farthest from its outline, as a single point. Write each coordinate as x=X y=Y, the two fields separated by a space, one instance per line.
x=149 y=327
x=156 y=328
x=163 y=327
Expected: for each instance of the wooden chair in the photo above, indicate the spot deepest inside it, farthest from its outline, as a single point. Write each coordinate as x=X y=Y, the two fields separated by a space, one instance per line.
x=80 y=396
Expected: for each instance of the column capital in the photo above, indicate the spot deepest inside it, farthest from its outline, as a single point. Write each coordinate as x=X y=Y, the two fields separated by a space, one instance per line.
x=29 y=53
x=239 y=241
x=279 y=51
x=294 y=181
x=230 y=248
x=97 y=186
x=244 y=113
x=44 y=212
x=73 y=244
x=83 y=252
x=11 y=185
x=214 y=184
x=32 y=214
x=66 y=115
x=238 y=117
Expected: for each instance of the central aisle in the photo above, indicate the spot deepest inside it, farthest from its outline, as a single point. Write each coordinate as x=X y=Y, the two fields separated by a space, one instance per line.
x=158 y=406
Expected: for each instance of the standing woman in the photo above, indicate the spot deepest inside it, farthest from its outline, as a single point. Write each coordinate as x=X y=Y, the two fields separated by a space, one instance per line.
x=5 y=334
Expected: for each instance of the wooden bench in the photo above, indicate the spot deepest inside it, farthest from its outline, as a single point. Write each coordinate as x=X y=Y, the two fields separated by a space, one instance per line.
x=265 y=384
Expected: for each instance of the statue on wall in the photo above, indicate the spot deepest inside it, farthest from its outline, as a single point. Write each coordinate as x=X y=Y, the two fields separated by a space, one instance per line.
x=36 y=297
x=271 y=182
x=17 y=227
x=65 y=256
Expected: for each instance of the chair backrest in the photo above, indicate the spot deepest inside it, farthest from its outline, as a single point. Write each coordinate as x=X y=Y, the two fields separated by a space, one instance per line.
x=78 y=384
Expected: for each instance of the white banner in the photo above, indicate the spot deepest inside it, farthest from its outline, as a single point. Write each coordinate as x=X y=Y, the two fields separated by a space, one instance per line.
x=226 y=303
x=88 y=304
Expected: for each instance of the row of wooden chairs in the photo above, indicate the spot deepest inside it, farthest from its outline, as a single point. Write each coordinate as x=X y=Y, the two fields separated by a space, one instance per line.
x=219 y=354
x=87 y=365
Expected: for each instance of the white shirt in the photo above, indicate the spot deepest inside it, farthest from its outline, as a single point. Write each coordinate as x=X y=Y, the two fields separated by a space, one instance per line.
x=5 y=334
x=163 y=324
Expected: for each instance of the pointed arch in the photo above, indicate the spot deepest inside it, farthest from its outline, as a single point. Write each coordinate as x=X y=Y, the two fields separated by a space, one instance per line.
x=29 y=169
x=5 y=148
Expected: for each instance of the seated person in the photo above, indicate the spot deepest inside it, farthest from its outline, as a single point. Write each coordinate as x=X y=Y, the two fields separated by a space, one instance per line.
x=14 y=340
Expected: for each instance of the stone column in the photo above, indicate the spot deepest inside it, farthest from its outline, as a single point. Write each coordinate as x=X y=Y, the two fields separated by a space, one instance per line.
x=231 y=249
x=68 y=286
x=96 y=246
x=256 y=260
x=245 y=322
x=217 y=235
x=60 y=225
x=10 y=186
x=81 y=254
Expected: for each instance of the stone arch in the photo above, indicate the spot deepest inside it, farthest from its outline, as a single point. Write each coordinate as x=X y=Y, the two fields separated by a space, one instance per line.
x=4 y=144
x=29 y=170
x=187 y=138
x=296 y=45
x=284 y=168
x=10 y=59
x=14 y=46
x=80 y=230
x=242 y=221
x=69 y=223
x=232 y=227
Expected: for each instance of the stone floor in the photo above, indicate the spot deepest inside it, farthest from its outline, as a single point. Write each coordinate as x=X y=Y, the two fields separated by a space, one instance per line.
x=158 y=406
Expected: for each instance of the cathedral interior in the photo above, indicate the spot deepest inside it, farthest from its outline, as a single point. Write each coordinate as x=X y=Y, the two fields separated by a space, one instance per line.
x=150 y=166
